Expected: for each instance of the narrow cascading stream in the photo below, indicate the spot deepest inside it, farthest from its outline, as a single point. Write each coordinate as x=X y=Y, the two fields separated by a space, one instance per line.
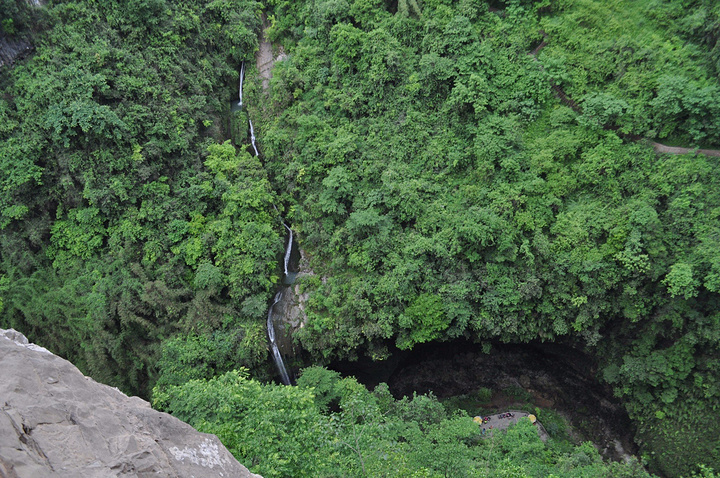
x=252 y=137
x=277 y=356
x=240 y=103
x=289 y=248
x=275 y=317
x=288 y=277
x=242 y=77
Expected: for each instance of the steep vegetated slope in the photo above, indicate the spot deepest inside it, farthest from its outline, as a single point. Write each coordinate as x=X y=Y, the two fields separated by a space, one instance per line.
x=124 y=220
x=443 y=190
x=435 y=181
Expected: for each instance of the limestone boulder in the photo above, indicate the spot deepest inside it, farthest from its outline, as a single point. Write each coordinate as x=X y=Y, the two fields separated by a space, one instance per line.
x=57 y=423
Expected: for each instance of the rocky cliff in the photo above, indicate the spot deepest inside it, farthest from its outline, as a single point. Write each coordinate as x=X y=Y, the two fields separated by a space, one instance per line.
x=55 y=422
x=12 y=49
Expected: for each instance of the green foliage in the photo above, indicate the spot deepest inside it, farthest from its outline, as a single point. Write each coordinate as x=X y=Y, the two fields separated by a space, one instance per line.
x=20 y=18
x=281 y=431
x=271 y=429
x=203 y=356
x=3 y=288
x=618 y=56
x=123 y=222
x=705 y=472
x=518 y=393
x=680 y=281
x=441 y=190
x=686 y=430
x=425 y=318
x=484 y=395
x=437 y=186
x=325 y=386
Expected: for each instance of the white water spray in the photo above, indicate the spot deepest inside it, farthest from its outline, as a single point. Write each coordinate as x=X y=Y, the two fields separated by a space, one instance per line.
x=277 y=357
x=289 y=249
x=242 y=76
x=252 y=137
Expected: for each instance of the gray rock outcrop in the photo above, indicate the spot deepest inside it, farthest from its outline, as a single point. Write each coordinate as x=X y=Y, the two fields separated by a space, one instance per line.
x=12 y=49
x=57 y=423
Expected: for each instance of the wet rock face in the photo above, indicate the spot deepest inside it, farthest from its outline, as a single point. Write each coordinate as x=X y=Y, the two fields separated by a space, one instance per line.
x=57 y=423
x=12 y=48
x=291 y=307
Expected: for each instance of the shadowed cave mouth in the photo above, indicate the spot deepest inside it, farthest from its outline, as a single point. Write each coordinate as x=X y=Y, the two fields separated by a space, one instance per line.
x=545 y=375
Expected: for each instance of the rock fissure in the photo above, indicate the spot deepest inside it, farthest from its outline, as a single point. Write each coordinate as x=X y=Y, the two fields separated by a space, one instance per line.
x=30 y=445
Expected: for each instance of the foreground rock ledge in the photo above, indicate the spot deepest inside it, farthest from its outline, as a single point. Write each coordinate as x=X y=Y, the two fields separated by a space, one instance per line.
x=55 y=422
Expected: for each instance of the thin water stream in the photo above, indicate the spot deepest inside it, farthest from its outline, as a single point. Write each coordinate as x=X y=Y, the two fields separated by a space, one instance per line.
x=277 y=356
x=252 y=137
x=242 y=77
x=275 y=320
x=239 y=105
x=275 y=325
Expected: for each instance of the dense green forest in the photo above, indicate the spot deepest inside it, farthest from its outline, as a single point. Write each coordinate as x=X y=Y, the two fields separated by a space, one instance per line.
x=333 y=427
x=126 y=219
x=452 y=169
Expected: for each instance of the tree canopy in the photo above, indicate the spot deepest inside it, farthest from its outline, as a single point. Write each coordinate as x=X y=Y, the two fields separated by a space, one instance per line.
x=463 y=169
x=281 y=431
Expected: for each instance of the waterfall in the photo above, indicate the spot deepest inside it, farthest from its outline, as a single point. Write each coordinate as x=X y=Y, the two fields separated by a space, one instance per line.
x=277 y=357
x=289 y=248
x=240 y=103
x=242 y=76
x=252 y=137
